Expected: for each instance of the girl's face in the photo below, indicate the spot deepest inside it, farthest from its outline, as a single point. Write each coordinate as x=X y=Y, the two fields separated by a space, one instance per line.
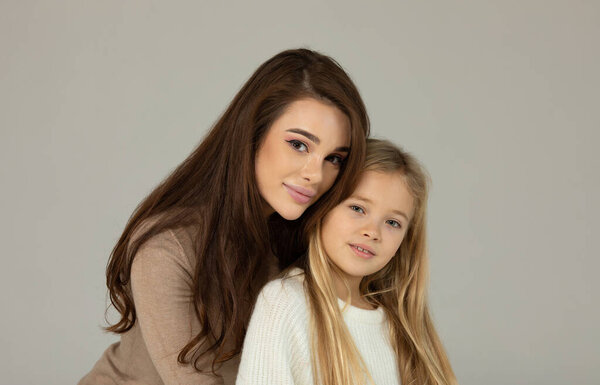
x=300 y=156
x=363 y=233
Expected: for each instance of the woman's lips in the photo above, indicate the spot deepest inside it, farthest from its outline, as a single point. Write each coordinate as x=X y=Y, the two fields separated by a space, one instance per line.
x=366 y=251
x=299 y=194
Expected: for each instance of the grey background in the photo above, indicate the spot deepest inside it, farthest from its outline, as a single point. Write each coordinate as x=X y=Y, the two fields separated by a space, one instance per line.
x=100 y=100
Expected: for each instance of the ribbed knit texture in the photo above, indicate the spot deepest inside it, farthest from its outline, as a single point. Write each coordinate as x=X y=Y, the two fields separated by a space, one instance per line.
x=161 y=284
x=277 y=348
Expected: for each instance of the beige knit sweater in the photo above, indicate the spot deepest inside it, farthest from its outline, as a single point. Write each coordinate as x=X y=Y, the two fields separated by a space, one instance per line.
x=161 y=281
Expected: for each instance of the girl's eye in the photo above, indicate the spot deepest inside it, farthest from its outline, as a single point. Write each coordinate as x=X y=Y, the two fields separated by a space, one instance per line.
x=297 y=145
x=394 y=223
x=336 y=160
x=357 y=209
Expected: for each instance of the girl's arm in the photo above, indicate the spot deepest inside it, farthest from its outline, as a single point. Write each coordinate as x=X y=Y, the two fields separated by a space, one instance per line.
x=276 y=345
x=161 y=283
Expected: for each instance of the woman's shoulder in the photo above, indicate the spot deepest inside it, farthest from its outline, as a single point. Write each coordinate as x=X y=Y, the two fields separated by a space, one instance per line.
x=174 y=244
x=184 y=233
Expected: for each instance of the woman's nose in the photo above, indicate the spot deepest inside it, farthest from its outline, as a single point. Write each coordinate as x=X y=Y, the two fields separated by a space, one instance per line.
x=312 y=170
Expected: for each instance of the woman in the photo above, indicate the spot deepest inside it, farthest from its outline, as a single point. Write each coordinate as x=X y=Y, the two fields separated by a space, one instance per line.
x=187 y=269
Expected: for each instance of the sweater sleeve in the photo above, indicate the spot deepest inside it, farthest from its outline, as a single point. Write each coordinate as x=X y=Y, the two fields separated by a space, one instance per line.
x=276 y=345
x=161 y=284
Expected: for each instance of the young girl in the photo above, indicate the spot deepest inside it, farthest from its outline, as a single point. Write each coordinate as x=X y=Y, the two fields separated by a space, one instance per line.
x=356 y=313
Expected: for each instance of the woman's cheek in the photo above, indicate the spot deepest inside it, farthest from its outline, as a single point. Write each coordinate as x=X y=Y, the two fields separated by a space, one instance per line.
x=328 y=182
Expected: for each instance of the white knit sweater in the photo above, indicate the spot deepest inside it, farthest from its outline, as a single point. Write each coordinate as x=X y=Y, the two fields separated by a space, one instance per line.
x=276 y=349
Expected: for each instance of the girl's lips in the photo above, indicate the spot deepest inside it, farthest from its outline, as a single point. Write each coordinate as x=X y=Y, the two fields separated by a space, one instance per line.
x=299 y=194
x=366 y=254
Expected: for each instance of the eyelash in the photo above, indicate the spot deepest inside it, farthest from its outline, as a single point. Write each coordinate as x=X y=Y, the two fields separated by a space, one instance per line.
x=296 y=144
x=397 y=224
x=336 y=160
x=393 y=223
x=339 y=160
x=352 y=207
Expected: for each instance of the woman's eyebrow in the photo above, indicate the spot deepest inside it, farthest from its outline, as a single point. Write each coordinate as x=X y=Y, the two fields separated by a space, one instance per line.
x=307 y=134
x=314 y=139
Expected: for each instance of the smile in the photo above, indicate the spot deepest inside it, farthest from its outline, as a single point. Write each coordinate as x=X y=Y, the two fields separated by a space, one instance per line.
x=362 y=251
x=299 y=194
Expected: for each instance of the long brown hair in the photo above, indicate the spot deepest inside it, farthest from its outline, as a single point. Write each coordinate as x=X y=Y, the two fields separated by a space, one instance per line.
x=400 y=289
x=217 y=181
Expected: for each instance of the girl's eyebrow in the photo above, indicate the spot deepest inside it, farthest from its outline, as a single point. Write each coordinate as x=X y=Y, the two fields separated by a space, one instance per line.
x=366 y=200
x=313 y=138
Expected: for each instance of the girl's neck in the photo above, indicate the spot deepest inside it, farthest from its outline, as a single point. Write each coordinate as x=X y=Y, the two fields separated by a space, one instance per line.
x=356 y=299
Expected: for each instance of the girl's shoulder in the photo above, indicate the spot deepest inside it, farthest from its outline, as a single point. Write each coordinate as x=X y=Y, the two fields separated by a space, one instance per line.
x=284 y=294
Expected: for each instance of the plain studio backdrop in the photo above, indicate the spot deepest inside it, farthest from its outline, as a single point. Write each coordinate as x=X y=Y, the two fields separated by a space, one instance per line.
x=500 y=100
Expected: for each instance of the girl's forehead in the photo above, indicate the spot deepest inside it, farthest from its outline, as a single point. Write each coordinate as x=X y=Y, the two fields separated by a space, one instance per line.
x=371 y=181
x=387 y=190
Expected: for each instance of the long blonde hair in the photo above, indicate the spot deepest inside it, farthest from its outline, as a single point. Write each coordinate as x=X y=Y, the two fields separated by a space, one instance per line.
x=400 y=289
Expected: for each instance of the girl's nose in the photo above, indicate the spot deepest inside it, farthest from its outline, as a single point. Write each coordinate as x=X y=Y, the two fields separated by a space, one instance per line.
x=371 y=231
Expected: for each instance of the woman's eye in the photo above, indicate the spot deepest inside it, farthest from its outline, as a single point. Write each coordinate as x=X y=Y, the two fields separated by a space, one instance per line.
x=298 y=145
x=357 y=209
x=335 y=159
x=394 y=223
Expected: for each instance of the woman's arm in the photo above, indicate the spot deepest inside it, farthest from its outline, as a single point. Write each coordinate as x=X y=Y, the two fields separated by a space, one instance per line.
x=161 y=282
x=276 y=345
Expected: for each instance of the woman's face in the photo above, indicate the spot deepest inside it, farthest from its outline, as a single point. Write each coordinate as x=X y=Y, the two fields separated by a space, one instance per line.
x=300 y=156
